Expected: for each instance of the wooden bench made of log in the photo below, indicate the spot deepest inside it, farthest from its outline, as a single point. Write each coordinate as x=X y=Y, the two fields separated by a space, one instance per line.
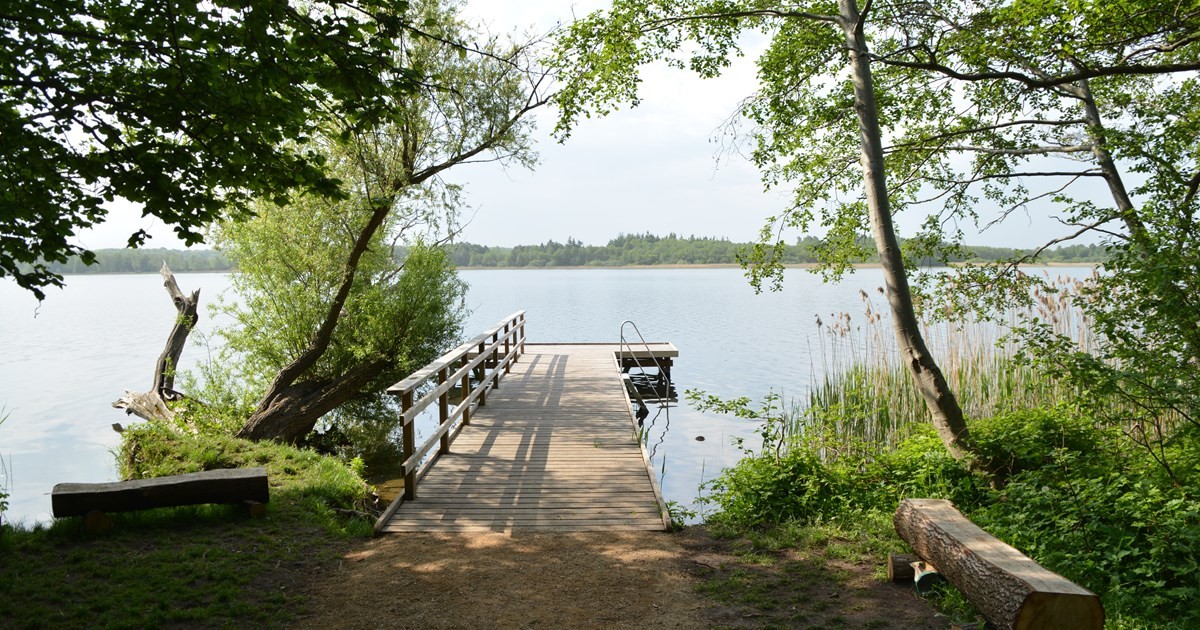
x=1009 y=588
x=232 y=485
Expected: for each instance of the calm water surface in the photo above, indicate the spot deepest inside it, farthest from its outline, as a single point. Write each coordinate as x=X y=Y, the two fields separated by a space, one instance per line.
x=62 y=363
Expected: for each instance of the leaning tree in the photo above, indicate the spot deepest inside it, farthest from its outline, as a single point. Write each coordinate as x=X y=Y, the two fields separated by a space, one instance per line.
x=328 y=312
x=821 y=122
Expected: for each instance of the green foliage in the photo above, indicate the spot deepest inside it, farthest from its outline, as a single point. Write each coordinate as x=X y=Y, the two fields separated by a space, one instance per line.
x=1076 y=496
x=762 y=489
x=1014 y=442
x=312 y=483
x=327 y=312
x=291 y=262
x=189 y=110
x=1104 y=518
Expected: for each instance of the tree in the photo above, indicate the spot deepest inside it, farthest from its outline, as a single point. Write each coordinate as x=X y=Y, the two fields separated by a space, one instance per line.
x=1114 y=85
x=187 y=109
x=328 y=315
x=1038 y=111
x=819 y=56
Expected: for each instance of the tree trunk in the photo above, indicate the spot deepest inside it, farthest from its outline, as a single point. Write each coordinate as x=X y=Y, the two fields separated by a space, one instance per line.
x=1128 y=213
x=291 y=408
x=1010 y=589
x=152 y=405
x=942 y=404
x=295 y=410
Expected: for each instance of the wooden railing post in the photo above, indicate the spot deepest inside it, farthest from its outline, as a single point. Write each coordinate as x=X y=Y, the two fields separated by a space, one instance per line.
x=443 y=412
x=409 y=447
x=522 y=332
x=496 y=360
x=507 y=348
x=480 y=370
x=466 y=392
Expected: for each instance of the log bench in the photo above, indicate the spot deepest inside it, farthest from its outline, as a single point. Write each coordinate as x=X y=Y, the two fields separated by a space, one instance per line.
x=1009 y=588
x=238 y=486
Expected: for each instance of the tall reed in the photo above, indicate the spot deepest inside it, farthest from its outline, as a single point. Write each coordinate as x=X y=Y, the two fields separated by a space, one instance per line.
x=860 y=391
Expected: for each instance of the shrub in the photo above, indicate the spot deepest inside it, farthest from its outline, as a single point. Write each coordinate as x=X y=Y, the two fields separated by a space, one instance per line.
x=299 y=477
x=796 y=486
x=1017 y=441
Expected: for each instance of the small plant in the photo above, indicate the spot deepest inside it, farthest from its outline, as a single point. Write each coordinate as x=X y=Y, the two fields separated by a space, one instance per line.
x=680 y=515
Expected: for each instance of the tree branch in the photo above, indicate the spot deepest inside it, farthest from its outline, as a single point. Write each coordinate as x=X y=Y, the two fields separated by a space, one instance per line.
x=966 y=132
x=654 y=25
x=1062 y=80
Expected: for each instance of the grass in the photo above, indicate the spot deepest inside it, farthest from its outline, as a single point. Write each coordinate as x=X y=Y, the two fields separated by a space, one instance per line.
x=802 y=576
x=210 y=566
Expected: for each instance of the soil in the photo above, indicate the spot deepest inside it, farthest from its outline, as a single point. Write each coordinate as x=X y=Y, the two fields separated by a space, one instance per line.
x=600 y=580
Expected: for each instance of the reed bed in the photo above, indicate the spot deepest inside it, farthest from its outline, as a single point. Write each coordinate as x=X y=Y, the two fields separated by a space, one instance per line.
x=861 y=393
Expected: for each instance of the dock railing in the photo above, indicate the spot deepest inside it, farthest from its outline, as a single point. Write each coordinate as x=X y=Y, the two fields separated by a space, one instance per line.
x=488 y=357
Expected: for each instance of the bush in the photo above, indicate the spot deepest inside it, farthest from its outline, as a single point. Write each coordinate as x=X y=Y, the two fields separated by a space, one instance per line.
x=1010 y=443
x=1076 y=497
x=1103 y=518
x=300 y=478
x=763 y=489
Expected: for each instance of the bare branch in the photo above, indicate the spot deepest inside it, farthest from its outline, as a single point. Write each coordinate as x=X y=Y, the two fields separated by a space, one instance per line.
x=1077 y=148
x=974 y=130
x=1088 y=173
x=1013 y=208
x=1012 y=266
x=654 y=25
x=1046 y=81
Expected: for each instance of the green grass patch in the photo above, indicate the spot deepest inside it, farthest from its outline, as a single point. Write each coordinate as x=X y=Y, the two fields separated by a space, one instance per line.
x=210 y=566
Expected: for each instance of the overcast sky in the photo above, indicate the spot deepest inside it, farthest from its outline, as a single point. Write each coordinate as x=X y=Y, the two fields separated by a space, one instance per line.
x=654 y=168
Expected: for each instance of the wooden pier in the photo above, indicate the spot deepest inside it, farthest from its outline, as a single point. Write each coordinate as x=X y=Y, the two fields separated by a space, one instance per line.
x=542 y=438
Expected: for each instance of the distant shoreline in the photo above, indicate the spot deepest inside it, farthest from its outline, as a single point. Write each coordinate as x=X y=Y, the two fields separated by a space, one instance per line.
x=736 y=266
x=594 y=267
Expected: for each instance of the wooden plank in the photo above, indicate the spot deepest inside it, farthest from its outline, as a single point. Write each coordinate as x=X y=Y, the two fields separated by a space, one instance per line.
x=233 y=485
x=496 y=501
x=561 y=472
x=477 y=492
x=522 y=526
x=553 y=449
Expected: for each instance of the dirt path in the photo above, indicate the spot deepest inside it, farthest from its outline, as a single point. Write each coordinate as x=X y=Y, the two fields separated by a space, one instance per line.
x=595 y=580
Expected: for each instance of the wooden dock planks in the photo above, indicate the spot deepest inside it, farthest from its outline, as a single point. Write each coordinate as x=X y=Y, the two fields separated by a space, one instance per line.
x=553 y=450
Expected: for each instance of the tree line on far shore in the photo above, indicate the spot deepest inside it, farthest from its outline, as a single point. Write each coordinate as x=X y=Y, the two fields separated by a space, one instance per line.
x=625 y=249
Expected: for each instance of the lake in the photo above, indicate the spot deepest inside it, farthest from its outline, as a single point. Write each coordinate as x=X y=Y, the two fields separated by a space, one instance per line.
x=63 y=362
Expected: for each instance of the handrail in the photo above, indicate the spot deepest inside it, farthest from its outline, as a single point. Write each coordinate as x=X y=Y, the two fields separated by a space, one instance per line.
x=664 y=381
x=649 y=352
x=480 y=356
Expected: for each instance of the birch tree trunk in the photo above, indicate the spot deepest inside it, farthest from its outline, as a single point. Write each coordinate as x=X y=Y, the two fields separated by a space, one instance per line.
x=941 y=401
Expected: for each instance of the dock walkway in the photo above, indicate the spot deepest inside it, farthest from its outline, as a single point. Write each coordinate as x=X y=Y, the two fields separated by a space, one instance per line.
x=553 y=448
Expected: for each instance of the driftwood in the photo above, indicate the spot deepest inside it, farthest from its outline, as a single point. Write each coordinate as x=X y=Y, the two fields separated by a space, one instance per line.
x=1010 y=589
x=234 y=486
x=152 y=405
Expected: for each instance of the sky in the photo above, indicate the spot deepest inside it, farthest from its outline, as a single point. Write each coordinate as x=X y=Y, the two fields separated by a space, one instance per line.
x=654 y=168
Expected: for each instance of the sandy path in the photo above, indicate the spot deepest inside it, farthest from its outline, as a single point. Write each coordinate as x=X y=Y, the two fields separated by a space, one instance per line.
x=582 y=580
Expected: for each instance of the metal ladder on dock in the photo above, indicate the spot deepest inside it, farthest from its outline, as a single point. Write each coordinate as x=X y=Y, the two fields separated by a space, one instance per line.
x=659 y=384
